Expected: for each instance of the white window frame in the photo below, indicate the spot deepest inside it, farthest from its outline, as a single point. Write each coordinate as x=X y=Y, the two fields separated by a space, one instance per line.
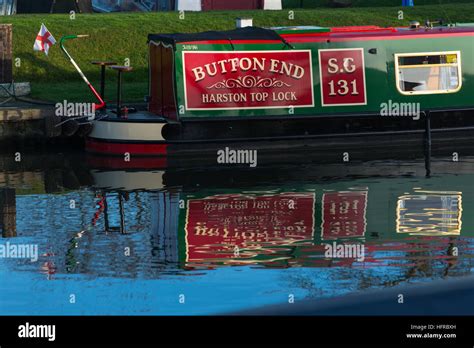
x=417 y=54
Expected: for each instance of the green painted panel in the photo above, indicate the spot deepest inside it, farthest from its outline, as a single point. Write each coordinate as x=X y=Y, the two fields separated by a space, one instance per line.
x=379 y=72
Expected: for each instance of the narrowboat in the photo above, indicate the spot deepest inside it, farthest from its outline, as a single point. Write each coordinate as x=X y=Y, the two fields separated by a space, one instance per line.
x=291 y=87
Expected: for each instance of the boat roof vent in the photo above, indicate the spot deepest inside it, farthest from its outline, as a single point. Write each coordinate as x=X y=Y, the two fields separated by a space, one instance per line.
x=414 y=24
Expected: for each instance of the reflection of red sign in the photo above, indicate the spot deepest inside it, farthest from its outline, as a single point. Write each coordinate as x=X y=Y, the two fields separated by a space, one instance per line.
x=342 y=73
x=217 y=226
x=344 y=215
x=248 y=79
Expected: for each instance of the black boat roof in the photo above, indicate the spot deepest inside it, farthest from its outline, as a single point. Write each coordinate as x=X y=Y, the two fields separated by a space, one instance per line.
x=247 y=33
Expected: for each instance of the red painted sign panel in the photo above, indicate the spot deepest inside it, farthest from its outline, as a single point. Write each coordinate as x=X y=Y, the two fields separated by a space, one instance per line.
x=342 y=73
x=344 y=215
x=248 y=80
x=218 y=226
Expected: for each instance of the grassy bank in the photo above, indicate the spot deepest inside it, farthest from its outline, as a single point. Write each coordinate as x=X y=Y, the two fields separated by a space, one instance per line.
x=364 y=3
x=123 y=36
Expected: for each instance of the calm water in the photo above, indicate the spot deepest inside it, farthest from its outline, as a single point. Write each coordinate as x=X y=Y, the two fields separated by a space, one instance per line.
x=224 y=240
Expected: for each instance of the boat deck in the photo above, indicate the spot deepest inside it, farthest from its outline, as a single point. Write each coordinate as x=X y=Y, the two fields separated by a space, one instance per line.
x=134 y=117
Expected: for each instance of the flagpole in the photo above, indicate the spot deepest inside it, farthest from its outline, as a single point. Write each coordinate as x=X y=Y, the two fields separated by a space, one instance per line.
x=101 y=104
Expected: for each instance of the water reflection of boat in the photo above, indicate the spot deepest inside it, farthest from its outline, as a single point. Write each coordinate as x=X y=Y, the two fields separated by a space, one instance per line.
x=430 y=213
x=194 y=220
x=243 y=231
x=8 y=212
x=128 y=180
x=246 y=228
x=210 y=227
x=344 y=214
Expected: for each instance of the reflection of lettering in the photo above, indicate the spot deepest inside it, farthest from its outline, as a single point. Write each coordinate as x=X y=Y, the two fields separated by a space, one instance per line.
x=343 y=208
x=211 y=206
x=344 y=214
x=217 y=224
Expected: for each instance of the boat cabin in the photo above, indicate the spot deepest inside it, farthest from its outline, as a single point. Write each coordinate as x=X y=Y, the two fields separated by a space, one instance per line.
x=309 y=71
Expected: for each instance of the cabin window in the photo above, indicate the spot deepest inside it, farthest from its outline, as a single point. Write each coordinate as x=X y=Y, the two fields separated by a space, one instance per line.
x=428 y=73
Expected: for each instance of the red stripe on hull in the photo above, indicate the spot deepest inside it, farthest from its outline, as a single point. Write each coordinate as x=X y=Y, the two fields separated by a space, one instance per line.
x=109 y=148
x=104 y=162
x=352 y=37
x=341 y=36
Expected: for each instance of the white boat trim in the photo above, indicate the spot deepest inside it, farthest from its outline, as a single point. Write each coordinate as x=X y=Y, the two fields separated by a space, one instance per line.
x=128 y=131
x=128 y=180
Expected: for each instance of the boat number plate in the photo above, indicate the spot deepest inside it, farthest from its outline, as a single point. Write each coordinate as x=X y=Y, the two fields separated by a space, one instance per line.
x=342 y=77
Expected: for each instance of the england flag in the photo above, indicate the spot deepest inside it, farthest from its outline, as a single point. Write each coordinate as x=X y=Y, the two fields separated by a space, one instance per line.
x=44 y=40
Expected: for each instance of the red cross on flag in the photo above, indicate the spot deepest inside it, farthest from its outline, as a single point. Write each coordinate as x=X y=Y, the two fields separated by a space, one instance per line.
x=44 y=40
